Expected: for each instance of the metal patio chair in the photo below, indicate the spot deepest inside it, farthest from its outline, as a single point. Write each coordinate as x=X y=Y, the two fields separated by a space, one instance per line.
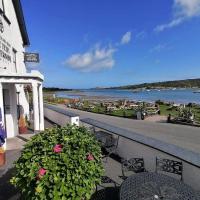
x=111 y=193
x=135 y=165
x=169 y=166
x=110 y=146
x=106 y=182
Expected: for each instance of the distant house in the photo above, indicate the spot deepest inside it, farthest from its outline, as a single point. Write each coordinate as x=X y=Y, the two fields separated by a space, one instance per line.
x=13 y=73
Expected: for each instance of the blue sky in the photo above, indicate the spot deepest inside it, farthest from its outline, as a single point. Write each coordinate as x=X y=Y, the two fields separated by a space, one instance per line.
x=84 y=44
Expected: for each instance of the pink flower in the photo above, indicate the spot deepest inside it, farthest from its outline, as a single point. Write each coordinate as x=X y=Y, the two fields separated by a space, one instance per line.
x=41 y=173
x=57 y=148
x=90 y=157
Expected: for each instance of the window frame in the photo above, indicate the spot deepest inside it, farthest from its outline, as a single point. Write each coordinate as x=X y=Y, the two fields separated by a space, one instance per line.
x=2 y=11
x=14 y=54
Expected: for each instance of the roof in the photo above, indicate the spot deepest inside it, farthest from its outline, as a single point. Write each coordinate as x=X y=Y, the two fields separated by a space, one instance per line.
x=21 y=21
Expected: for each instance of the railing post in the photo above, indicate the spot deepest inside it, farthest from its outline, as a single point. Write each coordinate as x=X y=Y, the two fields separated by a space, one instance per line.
x=74 y=120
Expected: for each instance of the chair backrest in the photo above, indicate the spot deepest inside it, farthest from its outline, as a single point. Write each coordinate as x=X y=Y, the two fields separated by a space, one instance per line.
x=91 y=129
x=170 y=166
x=111 y=141
x=134 y=164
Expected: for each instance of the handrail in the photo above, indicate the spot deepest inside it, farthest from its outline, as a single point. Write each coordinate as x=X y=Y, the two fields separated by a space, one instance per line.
x=185 y=155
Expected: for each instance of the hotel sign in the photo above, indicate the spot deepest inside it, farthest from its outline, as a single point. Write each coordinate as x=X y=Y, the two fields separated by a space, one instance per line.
x=5 y=50
x=31 y=57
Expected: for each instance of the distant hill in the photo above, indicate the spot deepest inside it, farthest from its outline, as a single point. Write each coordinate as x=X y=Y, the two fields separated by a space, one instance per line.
x=54 y=89
x=188 y=83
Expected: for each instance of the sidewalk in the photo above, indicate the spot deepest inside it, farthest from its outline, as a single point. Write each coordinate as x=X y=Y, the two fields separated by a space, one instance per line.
x=13 y=152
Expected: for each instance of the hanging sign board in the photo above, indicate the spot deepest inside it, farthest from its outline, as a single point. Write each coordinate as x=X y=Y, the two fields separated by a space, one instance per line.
x=31 y=57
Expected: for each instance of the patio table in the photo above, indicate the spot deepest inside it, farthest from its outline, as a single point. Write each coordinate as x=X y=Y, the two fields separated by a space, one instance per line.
x=153 y=186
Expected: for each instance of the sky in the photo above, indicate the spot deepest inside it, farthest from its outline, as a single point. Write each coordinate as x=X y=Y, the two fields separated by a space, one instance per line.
x=102 y=43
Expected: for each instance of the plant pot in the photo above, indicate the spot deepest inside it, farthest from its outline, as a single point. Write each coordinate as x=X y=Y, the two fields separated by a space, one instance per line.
x=2 y=159
x=22 y=130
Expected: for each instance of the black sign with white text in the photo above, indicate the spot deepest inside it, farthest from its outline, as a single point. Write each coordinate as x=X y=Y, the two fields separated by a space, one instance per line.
x=31 y=57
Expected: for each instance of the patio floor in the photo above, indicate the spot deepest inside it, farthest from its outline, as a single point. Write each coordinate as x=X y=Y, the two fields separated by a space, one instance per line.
x=14 y=147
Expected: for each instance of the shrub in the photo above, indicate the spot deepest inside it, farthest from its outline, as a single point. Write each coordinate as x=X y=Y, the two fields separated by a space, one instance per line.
x=59 y=163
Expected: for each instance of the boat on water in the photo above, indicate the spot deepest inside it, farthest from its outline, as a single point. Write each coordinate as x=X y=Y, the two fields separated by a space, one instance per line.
x=197 y=91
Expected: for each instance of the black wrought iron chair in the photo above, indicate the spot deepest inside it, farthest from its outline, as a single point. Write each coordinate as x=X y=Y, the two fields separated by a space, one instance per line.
x=109 y=146
x=106 y=194
x=198 y=194
x=135 y=165
x=169 y=166
x=92 y=129
x=106 y=182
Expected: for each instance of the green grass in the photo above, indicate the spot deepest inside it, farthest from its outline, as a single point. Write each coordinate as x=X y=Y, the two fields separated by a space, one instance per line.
x=196 y=111
x=165 y=110
x=98 y=109
x=123 y=113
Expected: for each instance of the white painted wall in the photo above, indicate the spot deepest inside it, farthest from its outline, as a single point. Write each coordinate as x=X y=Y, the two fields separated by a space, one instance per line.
x=12 y=35
x=22 y=99
x=11 y=38
x=11 y=114
x=60 y=119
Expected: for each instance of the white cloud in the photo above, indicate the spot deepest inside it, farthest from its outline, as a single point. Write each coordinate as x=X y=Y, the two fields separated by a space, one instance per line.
x=126 y=38
x=95 y=59
x=182 y=11
x=158 y=48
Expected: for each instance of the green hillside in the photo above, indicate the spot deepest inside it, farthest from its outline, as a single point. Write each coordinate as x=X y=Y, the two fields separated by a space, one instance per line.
x=188 y=83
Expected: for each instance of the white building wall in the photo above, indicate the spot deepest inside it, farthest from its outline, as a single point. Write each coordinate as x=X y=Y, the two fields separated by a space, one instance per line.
x=22 y=99
x=11 y=38
x=12 y=35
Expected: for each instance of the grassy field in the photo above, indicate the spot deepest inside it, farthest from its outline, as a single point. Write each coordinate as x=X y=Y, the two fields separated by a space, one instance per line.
x=118 y=113
x=166 y=110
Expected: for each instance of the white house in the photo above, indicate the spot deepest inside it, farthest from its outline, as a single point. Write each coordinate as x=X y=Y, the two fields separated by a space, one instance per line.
x=13 y=72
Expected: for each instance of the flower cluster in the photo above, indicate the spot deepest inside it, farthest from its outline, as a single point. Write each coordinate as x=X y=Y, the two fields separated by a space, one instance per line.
x=90 y=157
x=41 y=173
x=57 y=148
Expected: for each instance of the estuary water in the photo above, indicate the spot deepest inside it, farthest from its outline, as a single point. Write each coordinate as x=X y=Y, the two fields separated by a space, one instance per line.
x=169 y=95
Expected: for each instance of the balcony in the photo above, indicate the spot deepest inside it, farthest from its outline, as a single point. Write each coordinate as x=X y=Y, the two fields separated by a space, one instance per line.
x=129 y=145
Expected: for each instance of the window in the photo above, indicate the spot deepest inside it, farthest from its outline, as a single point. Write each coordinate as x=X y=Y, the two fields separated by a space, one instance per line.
x=4 y=9
x=1 y=6
x=15 y=59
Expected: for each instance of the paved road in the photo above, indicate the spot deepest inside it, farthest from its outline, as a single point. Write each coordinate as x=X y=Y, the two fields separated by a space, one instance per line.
x=180 y=135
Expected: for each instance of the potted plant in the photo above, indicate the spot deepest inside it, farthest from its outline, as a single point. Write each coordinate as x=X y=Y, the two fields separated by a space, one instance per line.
x=2 y=156
x=22 y=124
x=2 y=141
x=59 y=163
